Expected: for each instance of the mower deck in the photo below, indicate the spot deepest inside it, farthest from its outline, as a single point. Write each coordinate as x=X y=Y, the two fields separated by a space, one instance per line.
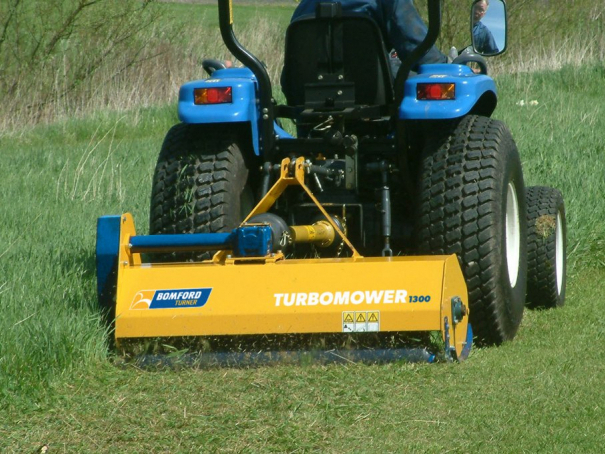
x=274 y=295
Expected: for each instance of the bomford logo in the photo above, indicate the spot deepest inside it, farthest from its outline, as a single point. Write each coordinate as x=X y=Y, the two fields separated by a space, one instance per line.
x=170 y=299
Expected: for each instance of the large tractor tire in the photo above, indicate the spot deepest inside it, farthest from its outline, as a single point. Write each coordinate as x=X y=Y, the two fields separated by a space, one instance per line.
x=199 y=184
x=471 y=203
x=546 y=248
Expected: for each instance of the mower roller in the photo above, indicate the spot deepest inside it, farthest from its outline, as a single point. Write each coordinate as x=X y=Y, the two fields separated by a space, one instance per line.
x=396 y=210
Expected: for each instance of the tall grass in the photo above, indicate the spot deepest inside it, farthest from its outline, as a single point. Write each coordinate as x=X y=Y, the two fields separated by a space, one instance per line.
x=127 y=57
x=54 y=55
x=56 y=180
x=558 y=127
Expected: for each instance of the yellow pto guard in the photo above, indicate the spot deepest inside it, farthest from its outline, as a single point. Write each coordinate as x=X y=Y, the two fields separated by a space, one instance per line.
x=268 y=294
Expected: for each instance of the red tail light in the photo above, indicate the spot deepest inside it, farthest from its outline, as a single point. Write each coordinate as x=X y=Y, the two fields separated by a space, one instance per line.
x=436 y=92
x=214 y=95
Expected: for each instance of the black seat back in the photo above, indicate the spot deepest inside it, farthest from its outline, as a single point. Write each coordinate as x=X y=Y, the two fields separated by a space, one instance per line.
x=336 y=60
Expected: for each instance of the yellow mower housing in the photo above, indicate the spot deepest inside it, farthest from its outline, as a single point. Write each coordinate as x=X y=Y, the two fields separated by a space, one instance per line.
x=269 y=294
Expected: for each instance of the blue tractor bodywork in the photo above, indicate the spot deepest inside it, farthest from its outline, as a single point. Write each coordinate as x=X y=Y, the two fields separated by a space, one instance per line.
x=475 y=93
x=359 y=126
x=242 y=109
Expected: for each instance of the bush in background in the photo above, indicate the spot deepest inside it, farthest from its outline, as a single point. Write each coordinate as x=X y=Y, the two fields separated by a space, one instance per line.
x=55 y=55
x=66 y=57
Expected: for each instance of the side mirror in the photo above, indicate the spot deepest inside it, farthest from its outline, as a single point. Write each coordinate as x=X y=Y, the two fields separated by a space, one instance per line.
x=488 y=27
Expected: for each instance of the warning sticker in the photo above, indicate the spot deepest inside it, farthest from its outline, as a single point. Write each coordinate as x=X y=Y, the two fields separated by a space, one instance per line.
x=348 y=322
x=360 y=321
x=374 y=321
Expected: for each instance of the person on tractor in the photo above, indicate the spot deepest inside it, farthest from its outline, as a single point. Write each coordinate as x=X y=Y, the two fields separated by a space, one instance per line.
x=482 y=36
x=402 y=27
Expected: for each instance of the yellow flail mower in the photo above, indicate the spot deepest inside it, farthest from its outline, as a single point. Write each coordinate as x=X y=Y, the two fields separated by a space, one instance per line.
x=250 y=288
x=393 y=218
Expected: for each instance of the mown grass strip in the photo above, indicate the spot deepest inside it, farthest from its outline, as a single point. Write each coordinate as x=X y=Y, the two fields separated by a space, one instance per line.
x=540 y=392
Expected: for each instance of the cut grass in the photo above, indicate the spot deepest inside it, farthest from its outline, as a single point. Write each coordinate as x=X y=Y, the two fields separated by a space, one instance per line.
x=540 y=392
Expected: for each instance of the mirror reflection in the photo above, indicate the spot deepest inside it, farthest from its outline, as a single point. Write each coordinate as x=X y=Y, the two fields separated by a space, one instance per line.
x=488 y=18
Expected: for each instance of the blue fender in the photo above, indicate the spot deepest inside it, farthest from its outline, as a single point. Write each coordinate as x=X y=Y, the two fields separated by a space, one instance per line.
x=242 y=109
x=471 y=90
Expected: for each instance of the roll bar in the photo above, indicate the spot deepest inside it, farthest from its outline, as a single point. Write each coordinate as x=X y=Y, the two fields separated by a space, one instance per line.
x=429 y=40
x=265 y=101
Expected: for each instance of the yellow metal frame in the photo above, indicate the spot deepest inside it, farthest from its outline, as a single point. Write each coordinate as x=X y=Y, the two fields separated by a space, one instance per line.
x=274 y=295
x=292 y=173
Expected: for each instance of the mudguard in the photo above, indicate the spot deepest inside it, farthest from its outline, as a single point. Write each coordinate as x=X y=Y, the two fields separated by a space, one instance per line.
x=243 y=109
x=471 y=90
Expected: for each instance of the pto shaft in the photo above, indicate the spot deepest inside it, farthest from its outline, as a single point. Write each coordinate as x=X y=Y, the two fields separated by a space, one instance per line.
x=321 y=233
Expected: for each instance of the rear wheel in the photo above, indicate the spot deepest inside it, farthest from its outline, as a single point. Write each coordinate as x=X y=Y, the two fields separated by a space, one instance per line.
x=199 y=184
x=546 y=247
x=472 y=203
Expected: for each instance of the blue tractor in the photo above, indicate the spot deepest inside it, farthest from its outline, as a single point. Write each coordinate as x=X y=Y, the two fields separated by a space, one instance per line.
x=403 y=164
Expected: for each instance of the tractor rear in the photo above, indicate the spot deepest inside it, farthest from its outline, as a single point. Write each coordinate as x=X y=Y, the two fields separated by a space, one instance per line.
x=394 y=211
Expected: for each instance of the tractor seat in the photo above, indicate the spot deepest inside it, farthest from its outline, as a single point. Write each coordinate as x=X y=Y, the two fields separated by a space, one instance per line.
x=336 y=62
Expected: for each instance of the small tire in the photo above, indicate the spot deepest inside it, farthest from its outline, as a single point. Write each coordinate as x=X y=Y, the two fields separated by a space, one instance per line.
x=199 y=184
x=546 y=248
x=471 y=202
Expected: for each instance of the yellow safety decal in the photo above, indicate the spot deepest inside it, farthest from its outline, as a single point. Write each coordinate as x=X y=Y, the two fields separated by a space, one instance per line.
x=360 y=322
x=231 y=12
x=374 y=321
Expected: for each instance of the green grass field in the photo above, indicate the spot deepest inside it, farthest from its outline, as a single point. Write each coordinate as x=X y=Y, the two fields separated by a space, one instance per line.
x=541 y=392
x=59 y=386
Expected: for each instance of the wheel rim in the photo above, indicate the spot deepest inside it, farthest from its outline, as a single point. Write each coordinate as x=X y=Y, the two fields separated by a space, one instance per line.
x=559 y=254
x=513 y=240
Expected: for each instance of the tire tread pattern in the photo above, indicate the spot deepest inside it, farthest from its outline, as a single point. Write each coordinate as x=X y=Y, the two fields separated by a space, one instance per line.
x=543 y=205
x=197 y=183
x=459 y=210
